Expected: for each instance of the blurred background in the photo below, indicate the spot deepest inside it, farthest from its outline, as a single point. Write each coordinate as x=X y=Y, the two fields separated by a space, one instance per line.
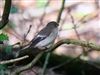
x=80 y=20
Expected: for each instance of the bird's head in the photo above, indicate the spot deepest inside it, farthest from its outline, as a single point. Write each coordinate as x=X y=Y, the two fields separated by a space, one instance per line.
x=52 y=24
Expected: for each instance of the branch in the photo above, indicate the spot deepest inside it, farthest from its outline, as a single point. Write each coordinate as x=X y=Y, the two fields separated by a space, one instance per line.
x=5 y=15
x=26 y=67
x=76 y=42
x=25 y=35
x=27 y=32
x=60 y=12
x=13 y=60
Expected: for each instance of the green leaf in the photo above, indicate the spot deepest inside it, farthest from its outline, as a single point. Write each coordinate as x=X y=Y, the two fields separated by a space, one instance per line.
x=3 y=37
x=41 y=3
x=8 y=49
x=2 y=67
x=14 y=9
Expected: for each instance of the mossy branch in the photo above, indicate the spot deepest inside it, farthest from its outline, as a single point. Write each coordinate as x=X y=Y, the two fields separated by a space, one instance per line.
x=64 y=41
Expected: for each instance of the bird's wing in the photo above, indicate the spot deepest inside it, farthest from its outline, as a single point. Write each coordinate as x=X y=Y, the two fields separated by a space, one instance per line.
x=41 y=36
x=37 y=39
x=49 y=39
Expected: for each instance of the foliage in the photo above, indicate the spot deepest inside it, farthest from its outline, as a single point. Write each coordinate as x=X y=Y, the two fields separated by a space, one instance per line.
x=8 y=49
x=5 y=50
x=3 y=37
x=14 y=9
x=41 y=4
x=2 y=67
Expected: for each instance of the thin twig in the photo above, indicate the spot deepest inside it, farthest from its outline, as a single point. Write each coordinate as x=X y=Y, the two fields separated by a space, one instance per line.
x=75 y=26
x=46 y=63
x=25 y=35
x=73 y=22
x=6 y=13
x=13 y=60
x=60 y=12
x=27 y=32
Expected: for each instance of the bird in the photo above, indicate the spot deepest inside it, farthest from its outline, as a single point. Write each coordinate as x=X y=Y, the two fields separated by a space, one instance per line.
x=42 y=41
x=46 y=37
